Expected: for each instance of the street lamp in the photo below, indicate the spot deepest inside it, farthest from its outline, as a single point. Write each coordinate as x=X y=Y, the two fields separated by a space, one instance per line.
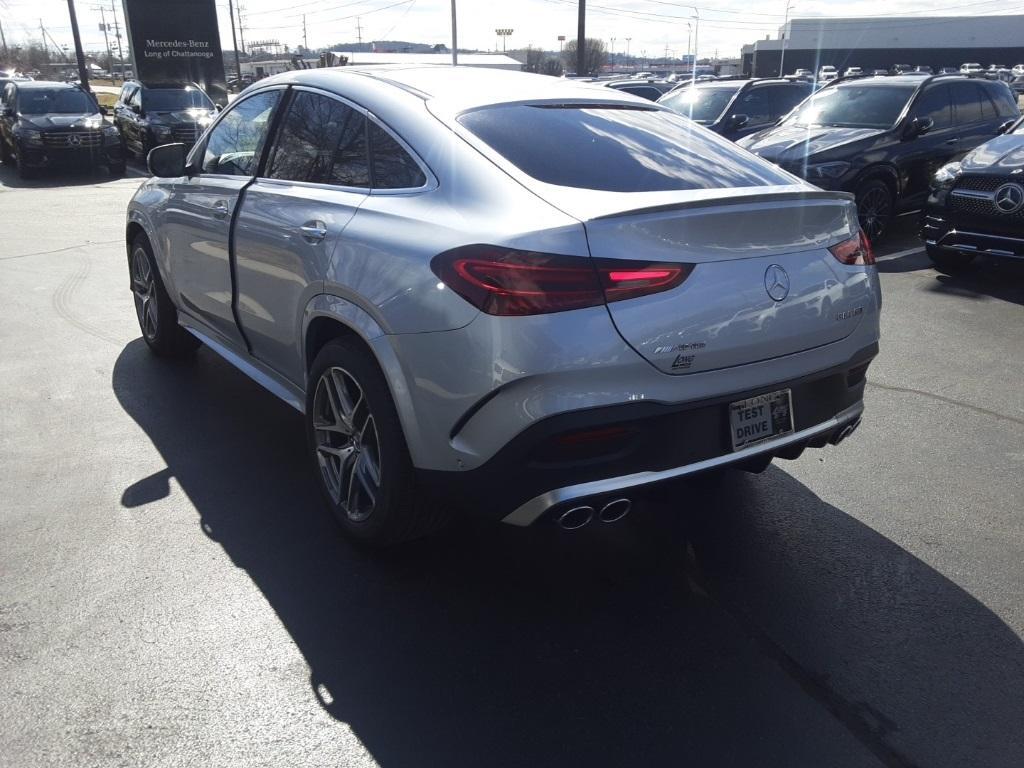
x=627 y=50
x=785 y=36
x=504 y=35
x=696 y=50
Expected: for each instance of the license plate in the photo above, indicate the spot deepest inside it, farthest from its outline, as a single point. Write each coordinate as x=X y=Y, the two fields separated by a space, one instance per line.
x=759 y=418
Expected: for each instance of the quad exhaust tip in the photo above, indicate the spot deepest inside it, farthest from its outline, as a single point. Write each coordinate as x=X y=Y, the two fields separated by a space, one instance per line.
x=614 y=511
x=578 y=517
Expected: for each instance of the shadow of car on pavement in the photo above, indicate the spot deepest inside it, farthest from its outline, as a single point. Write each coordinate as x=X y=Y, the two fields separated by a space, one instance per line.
x=497 y=646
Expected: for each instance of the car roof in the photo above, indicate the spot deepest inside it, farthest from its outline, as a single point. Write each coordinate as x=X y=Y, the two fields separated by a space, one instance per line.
x=462 y=88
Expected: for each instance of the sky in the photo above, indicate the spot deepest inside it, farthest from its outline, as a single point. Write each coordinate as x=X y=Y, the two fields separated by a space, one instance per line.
x=645 y=27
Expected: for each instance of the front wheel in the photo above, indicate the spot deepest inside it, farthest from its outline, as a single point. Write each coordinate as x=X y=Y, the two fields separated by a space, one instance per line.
x=949 y=262
x=359 y=451
x=158 y=319
x=875 y=207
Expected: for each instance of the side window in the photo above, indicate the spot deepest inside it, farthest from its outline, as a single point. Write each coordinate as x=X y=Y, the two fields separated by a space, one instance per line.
x=644 y=92
x=934 y=103
x=135 y=100
x=988 y=109
x=786 y=97
x=321 y=140
x=1005 y=101
x=235 y=144
x=756 y=104
x=966 y=103
x=393 y=168
x=125 y=94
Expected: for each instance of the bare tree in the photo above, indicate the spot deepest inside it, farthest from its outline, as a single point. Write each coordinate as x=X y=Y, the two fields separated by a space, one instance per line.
x=595 y=56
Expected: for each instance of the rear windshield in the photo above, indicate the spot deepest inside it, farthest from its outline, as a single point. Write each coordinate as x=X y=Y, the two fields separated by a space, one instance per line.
x=63 y=101
x=616 y=149
x=703 y=105
x=853 y=106
x=170 y=100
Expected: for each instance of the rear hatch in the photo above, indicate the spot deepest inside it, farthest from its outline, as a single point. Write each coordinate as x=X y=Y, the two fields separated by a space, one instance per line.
x=764 y=283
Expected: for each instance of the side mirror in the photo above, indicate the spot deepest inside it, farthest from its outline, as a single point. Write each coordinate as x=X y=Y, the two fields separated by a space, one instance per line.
x=738 y=121
x=104 y=111
x=217 y=107
x=919 y=126
x=167 y=161
x=1005 y=127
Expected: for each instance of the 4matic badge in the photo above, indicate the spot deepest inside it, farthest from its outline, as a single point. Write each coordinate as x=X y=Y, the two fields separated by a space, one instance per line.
x=682 y=361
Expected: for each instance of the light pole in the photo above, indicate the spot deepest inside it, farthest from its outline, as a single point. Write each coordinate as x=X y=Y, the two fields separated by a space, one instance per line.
x=689 y=36
x=785 y=36
x=696 y=50
x=627 y=50
x=611 y=56
x=504 y=35
x=455 y=38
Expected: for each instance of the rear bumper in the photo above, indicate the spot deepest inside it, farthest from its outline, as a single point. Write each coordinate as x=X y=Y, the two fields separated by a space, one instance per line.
x=532 y=476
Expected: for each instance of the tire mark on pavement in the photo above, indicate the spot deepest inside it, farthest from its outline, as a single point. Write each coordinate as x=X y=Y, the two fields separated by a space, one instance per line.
x=63 y=299
x=949 y=400
x=59 y=250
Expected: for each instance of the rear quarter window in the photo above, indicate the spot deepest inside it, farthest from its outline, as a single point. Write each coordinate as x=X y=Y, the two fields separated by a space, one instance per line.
x=616 y=149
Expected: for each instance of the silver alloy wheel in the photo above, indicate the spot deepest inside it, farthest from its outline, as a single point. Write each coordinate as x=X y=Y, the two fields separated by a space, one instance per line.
x=144 y=289
x=347 y=445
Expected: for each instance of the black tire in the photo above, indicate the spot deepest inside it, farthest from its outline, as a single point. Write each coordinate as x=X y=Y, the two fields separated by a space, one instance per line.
x=876 y=207
x=5 y=153
x=949 y=262
x=158 y=318
x=400 y=509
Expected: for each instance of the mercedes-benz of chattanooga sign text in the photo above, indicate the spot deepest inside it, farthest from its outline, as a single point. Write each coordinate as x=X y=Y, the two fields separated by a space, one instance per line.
x=177 y=42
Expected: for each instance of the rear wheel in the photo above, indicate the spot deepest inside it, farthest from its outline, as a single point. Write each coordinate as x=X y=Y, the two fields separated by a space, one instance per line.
x=875 y=207
x=949 y=262
x=359 y=451
x=158 y=319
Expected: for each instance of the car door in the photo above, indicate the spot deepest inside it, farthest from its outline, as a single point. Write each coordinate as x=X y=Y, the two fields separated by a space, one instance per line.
x=919 y=157
x=292 y=219
x=121 y=109
x=200 y=209
x=974 y=113
x=133 y=120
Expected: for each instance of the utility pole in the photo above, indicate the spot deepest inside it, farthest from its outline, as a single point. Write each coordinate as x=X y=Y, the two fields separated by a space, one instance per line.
x=234 y=40
x=628 y=39
x=581 y=40
x=455 y=38
x=696 y=49
x=359 y=30
x=782 y=56
x=83 y=73
x=106 y=40
x=117 y=37
x=241 y=26
x=305 y=40
x=3 y=40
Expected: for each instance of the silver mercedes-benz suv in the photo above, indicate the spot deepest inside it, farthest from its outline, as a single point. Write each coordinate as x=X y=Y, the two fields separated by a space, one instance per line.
x=513 y=293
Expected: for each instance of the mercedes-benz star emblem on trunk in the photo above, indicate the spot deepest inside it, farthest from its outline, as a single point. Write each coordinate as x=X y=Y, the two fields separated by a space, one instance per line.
x=1009 y=198
x=776 y=282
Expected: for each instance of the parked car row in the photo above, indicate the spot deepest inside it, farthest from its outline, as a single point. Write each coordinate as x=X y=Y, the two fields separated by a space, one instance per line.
x=58 y=125
x=880 y=138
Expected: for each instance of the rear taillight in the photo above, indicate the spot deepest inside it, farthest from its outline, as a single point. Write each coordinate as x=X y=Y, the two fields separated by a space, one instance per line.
x=502 y=281
x=856 y=250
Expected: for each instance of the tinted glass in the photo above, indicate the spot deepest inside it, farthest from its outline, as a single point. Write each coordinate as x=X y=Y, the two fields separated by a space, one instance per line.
x=988 y=109
x=702 y=105
x=1006 y=102
x=643 y=91
x=393 y=168
x=934 y=104
x=171 y=100
x=234 y=145
x=854 y=106
x=966 y=102
x=136 y=98
x=616 y=149
x=39 y=101
x=318 y=142
x=788 y=96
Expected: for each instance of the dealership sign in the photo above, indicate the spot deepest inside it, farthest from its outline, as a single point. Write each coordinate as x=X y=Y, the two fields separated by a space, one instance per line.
x=177 y=42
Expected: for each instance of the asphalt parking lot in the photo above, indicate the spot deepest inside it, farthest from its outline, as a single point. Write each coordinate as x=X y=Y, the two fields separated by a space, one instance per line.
x=173 y=594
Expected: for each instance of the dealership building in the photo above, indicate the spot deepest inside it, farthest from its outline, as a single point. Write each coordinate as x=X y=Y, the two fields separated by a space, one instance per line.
x=879 y=43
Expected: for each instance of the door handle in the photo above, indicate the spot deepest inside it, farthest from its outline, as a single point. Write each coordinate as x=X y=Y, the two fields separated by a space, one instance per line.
x=313 y=231
x=220 y=209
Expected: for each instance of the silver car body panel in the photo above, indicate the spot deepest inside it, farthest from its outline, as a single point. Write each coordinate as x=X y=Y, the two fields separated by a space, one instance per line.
x=465 y=383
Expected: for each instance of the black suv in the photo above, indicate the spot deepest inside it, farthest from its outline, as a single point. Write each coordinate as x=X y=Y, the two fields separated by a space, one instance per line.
x=55 y=125
x=737 y=108
x=977 y=205
x=151 y=115
x=883 y=138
